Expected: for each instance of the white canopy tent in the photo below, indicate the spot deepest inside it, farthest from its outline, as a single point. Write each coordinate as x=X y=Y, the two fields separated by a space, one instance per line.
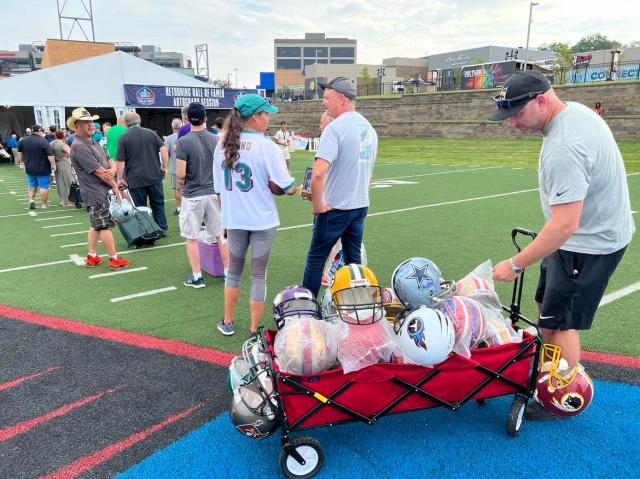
x=96 y=82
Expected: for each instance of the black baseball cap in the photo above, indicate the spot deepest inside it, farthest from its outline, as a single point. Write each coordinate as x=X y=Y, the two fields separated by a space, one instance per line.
x=36 y=128
x=519 y=89
x=196 y=113
x=342 y=85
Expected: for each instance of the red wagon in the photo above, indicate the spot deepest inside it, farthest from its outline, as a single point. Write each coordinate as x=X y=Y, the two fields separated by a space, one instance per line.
x=333 y=397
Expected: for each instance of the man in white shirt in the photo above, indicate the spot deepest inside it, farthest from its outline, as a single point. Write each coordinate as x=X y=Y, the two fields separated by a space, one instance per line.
x=281 y=138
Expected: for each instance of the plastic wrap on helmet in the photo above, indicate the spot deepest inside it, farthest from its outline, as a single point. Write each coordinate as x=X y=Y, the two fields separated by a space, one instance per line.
x=328 y=307
x=239 y=373
x=306 y=346
x=479 y=285
x=294 y=301
x=498 y=329
x=392 y=305
x=468 y=318
x=360 y=346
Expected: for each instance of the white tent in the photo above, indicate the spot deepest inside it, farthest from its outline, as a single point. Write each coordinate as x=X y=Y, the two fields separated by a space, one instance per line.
x=92 y=82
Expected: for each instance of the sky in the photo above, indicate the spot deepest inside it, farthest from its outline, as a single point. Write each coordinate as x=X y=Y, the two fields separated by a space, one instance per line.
x=240 y=34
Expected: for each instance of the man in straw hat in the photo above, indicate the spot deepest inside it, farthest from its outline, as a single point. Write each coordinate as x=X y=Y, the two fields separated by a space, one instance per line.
x=95 y=176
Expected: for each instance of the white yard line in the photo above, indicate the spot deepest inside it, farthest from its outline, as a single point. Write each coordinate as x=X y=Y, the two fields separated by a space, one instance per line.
x=30 y=266
x=60 y=226
x=55 y=218
x=67 y=234
x=76 y=244
x=8 y=193
x=113 y=273
x=446 y=172
x=144 y=293
x=33 y=213
x=621 y=293
x=79 y=261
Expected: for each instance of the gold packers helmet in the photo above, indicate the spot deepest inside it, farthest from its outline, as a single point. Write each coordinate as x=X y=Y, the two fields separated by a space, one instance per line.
x=357 y=295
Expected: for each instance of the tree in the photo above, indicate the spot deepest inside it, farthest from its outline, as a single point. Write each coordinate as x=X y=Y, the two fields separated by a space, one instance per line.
x=595 y=41
x=563 y=51
x=220 y=83
x=364 y=82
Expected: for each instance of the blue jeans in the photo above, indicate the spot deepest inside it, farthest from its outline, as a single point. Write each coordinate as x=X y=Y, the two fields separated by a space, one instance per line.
x=328 y=227
x=155 y=193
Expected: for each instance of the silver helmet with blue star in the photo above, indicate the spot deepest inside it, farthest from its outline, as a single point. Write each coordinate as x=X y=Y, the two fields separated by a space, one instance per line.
x=418 y=282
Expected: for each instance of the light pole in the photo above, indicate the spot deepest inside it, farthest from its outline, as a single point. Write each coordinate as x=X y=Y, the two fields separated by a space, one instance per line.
x=526 y=50
x=380 y=75
x=229 y=79
x=315 y=93
x=236 y=72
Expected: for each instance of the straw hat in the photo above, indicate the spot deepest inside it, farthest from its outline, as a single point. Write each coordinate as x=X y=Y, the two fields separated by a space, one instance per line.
x=79 y=114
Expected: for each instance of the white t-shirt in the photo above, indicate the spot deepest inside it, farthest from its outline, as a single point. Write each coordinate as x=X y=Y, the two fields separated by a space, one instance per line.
x=580 y=160
x=247 y=201
x=283 y=137
x=350 y=144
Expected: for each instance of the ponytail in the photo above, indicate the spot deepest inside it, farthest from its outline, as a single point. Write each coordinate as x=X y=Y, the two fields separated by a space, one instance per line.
x=231 y=139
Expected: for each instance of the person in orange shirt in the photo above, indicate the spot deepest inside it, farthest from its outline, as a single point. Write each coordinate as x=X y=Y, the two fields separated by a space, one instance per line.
x=598 y=108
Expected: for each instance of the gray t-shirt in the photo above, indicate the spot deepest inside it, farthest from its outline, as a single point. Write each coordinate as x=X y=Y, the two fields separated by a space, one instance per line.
x=87 y=156
x=169 y=142
x=580 y=160
x=350 y=144
x=197 y=149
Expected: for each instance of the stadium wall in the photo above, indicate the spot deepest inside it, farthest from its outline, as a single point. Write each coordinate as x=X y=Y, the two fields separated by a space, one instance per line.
x=463 y=114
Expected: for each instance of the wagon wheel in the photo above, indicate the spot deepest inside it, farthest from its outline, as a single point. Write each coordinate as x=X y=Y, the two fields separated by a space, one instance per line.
x=307 y=450
x=516 y=415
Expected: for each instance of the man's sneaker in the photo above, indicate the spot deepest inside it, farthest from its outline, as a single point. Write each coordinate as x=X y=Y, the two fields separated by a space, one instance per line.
x=32 y=205
x=118 y=262
x=536 y=412
x=194 y=283
x=92 y=261
x=176 y=212
x=44 y=206
x=225 y=328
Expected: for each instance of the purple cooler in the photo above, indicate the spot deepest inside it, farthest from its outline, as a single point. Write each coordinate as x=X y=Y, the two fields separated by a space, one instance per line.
x=210 y=259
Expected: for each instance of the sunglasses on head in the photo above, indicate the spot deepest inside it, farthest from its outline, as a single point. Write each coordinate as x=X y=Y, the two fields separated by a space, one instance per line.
x=505 y=104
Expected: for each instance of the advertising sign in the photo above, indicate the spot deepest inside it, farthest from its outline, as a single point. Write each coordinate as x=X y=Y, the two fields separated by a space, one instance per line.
x=154 y=96
x=487 y=75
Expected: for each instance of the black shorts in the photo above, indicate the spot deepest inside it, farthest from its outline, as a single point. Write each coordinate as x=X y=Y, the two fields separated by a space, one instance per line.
x=99 y=217
x=571 y=286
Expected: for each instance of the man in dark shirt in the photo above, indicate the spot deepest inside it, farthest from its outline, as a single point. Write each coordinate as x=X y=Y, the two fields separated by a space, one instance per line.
x=194 y=165
x=96 y=177
x=39 y=162
x=139 y=166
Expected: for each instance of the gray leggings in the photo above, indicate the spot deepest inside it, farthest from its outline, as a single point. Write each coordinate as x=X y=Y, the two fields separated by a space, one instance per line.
x=238 y=243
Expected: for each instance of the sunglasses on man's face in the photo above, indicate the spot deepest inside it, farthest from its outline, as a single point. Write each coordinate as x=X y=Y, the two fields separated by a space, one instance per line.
x=504 y=103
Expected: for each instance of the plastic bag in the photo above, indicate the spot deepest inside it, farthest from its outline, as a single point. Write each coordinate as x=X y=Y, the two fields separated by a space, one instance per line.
x=336 y=261
x=360 y=346
x=479 y=285
x=305 y=346
x=498 y=329
x=468 y=318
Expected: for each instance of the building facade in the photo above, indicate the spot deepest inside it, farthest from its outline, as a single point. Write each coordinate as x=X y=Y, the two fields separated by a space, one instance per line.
x=291 y=56
x=487 y=54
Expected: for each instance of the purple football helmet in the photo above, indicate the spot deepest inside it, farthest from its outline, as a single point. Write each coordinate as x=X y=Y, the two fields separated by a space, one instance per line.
x=294 y=301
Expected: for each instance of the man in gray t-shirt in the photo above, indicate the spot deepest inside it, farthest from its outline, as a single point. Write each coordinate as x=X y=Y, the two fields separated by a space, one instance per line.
x=340 y=180
x=585 y=201
x=194 y=166
x=170 y=143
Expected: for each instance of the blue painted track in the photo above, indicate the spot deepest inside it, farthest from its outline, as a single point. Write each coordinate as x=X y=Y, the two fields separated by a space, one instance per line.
x=470 y=443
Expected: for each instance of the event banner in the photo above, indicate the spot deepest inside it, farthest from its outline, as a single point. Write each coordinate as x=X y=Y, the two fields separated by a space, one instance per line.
x=593 y=74
x=488 y=75
x=154 y=96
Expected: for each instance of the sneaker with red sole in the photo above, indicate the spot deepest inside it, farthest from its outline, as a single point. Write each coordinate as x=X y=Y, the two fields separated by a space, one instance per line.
x=92 y=261
x=118 y=262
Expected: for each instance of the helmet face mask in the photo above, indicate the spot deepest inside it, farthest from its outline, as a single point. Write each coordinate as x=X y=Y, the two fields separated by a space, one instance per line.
x=294 y=301
x=357 y=295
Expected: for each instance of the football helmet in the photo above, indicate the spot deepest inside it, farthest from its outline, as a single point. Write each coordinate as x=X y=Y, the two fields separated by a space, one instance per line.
x=425 y=336
x=294 y=301
x=239 y=373
x=468 y=321
x=564 y=393
x=418 y=281
x=254 y=410
x=357 y=295
x=305 y=346
x=328 y=307
x=392 y=305
x=120 y=209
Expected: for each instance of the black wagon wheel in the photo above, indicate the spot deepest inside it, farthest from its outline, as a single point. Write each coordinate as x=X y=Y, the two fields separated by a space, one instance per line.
x=516 y=415
x=301 y=457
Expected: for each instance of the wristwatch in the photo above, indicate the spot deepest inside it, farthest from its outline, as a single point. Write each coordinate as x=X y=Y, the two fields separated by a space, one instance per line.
x=514 y=267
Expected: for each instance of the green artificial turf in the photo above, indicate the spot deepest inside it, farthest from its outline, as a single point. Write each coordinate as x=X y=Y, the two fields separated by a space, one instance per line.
x=461 y=231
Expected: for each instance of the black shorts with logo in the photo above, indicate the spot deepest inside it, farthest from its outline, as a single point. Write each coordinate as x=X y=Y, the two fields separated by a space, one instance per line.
x=571 y=286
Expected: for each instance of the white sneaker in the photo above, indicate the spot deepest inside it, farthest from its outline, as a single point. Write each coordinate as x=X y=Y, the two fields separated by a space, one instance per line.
x=44 y=206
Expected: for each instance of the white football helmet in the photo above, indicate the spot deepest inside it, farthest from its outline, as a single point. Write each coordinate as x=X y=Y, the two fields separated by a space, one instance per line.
x=120 y=209
x=425 y=336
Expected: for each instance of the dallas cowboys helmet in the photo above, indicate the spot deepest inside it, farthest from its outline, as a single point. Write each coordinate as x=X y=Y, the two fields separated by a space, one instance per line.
x=418 y=281
x=120 y=209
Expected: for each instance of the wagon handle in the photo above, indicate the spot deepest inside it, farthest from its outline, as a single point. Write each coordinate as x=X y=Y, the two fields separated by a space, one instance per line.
x=516 y=296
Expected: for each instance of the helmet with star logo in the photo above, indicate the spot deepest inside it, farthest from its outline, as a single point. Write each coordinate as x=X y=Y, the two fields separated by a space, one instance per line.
x=418 y=281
